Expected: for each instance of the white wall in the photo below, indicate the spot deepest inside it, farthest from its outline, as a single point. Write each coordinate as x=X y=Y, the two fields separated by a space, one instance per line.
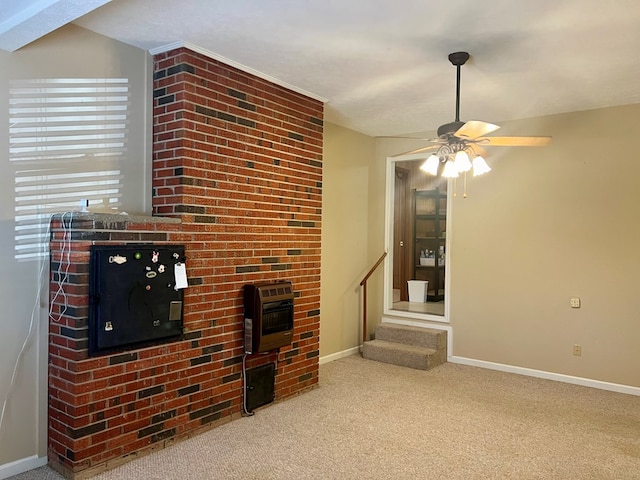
x=68 y=53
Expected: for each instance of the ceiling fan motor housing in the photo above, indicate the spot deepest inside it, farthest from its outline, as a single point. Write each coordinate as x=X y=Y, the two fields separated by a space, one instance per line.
x=448 y=129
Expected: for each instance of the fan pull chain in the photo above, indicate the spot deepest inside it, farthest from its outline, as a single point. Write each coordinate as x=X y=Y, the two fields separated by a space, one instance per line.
x=464 y=193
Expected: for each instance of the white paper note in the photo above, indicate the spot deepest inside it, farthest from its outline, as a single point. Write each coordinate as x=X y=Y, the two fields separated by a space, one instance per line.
x=180 y=271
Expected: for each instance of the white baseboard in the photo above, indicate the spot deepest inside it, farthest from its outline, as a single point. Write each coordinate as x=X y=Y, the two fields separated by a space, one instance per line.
x=338 y=355
x=558 y=377
x=20 y=466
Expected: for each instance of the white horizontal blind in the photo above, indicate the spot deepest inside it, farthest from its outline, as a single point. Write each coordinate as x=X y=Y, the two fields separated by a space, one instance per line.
x=67 y=142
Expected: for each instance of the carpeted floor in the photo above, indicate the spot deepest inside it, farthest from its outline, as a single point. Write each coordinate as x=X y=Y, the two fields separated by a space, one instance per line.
x=370 y=420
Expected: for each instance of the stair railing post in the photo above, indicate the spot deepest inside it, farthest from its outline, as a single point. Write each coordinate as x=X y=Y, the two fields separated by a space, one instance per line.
x=363 y=284
x=364 y=312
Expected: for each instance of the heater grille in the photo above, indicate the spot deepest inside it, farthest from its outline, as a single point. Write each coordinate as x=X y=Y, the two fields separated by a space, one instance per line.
x=275 y=317
x=284 y=289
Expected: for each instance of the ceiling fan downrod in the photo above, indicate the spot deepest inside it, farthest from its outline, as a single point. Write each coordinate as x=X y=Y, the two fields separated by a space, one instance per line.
x=447 y=130
x=458 y=59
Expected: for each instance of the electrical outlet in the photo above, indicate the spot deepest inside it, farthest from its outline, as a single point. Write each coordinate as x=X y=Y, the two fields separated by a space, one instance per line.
x=577 y=350
x=575 y=302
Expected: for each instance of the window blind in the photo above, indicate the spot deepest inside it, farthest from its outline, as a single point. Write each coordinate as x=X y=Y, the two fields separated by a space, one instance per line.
x=67 y=142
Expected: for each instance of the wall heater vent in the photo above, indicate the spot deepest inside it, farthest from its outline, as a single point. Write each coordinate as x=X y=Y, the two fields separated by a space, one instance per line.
x=268 y=316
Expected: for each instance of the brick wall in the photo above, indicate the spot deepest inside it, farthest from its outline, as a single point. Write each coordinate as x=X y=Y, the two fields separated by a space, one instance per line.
x=237 y=172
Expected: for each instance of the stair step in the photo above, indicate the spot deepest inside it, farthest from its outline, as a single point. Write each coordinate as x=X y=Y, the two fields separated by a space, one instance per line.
x=412 y=356
x=417 y=336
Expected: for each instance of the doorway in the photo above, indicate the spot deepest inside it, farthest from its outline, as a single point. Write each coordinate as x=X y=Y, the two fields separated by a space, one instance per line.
x=404 y=263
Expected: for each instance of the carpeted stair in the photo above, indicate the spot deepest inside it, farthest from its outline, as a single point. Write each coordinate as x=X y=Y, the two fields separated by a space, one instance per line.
x=413 y=347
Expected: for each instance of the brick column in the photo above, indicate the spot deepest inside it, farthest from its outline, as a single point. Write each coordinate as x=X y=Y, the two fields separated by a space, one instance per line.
x=237 y=175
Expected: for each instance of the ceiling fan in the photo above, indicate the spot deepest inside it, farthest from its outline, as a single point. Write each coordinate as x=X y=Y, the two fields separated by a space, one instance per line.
x=458 y=143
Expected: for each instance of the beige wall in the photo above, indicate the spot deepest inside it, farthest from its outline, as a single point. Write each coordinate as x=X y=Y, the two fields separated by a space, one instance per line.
x=545 y=225
x=70 y=52
x=347 y=165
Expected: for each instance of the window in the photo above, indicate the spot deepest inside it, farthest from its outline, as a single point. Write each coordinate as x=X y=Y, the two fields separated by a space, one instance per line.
x=67 y=142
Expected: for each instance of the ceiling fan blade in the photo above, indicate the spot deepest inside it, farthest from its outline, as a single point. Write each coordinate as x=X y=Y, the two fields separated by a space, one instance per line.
x=474 y=129
x=430 y=140
x=418 y=150
x=513 y=141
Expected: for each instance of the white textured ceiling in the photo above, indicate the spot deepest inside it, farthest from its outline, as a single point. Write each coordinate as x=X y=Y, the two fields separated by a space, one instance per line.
x=382 y=64
x=23 y=21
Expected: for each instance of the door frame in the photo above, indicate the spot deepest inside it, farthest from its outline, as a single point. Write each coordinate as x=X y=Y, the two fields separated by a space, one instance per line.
x=389 y=242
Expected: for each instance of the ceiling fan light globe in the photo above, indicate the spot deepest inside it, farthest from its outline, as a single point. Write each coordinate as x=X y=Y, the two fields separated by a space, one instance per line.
x=450 y=170
x=431 y=165
x=480 y=166
x=462 y=162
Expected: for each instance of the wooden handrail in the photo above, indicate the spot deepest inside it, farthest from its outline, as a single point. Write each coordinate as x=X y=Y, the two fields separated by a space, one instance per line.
x=363 y=284
x=373 y=269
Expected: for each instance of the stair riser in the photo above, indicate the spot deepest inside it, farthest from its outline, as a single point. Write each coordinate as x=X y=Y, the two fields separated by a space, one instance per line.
x=403 y=359
x=402 y=355
x=421 y=337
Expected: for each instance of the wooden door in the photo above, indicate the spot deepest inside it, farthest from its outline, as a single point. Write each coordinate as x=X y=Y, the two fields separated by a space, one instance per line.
x=401 y=233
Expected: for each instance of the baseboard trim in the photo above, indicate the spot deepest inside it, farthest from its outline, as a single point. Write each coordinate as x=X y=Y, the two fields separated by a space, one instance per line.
x=558 y=377
x=20 y=466
x=529 y=372
x=336 y=356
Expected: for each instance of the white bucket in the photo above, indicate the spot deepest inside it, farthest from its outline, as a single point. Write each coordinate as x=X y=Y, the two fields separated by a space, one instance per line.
x=418 y=291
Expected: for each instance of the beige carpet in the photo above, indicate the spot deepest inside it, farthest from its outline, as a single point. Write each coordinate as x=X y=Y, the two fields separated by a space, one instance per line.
x=370 y=420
